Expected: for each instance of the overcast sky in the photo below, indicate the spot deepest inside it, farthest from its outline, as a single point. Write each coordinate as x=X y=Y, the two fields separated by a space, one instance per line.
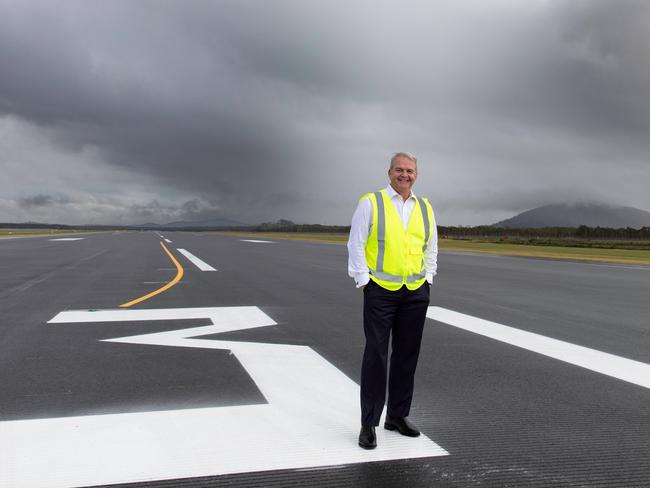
x=154 y=111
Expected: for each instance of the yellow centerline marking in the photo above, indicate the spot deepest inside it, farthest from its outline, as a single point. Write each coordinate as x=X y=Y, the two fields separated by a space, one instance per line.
x=178 y=277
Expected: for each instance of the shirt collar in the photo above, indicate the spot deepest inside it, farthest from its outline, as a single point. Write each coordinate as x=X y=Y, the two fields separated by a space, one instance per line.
x=392 y=193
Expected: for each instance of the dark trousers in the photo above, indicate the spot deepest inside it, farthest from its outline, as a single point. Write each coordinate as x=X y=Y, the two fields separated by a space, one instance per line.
x=401 y=313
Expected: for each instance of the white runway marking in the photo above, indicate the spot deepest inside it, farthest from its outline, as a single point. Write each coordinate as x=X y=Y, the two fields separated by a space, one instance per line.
x=601 y=362
x=257 y=241
x=202 y=265
x=311 y=418
x=68 y=239
x=168 y=241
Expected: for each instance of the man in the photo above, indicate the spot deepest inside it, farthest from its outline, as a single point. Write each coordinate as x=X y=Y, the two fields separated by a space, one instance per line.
x=393 y=248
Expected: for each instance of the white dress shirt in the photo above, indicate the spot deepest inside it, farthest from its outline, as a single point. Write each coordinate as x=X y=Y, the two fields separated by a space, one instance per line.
x=362 y=226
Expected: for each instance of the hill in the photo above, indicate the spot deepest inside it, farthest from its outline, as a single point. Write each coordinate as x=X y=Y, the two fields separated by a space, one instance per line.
x=589 y=214
x=212 y=223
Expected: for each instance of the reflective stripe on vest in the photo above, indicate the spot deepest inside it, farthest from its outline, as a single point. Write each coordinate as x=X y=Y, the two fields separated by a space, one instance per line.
x=397 y=278
x=381 y=232
x=380 y=222
x=425 y=216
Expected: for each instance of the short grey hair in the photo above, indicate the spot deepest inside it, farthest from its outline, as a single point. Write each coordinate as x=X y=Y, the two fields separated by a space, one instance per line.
x=406 y=155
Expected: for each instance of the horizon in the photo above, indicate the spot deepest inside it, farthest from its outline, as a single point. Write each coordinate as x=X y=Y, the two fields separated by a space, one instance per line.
x=281 y=221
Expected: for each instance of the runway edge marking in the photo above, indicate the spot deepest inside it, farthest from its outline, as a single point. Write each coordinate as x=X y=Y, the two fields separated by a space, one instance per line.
x=311 y=418
x=629 y=370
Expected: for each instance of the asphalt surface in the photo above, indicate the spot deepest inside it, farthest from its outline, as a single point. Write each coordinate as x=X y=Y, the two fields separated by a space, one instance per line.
x=507 y=416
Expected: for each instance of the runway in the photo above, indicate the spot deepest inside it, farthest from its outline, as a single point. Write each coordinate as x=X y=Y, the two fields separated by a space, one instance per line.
x=245 y=372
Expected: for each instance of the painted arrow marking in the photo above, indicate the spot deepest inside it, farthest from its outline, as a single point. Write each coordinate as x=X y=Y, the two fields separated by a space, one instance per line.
x=311 y=418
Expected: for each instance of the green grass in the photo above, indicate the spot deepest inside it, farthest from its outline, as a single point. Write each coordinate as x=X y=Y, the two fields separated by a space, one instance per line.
x=35 y=232
x=629 y=256
x=633 y=244
x=626 y=256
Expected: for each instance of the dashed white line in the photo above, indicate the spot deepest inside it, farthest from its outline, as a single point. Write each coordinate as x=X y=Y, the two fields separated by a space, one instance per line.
x=257 y=241
x=601 y=362
x=202 y=265
x=68 y=239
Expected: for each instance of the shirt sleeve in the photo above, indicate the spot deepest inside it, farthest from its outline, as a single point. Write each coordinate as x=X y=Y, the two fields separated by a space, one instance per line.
x=359 y=232
x=431 y=256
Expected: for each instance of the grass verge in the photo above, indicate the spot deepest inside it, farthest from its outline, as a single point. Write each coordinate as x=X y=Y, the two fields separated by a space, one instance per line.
x=624 y=256
x=37 y=232
x=627 y=256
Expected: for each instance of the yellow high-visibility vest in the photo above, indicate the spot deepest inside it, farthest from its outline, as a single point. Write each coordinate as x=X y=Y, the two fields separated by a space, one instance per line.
x=395 y=255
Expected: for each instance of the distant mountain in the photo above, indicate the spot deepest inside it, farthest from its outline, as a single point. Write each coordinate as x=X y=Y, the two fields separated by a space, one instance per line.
x=279 y=223
x=589 y=214
x=219 y=222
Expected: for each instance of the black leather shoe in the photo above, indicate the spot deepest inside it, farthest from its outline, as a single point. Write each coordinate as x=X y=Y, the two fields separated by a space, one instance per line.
x=401 y=425
x=367 y=437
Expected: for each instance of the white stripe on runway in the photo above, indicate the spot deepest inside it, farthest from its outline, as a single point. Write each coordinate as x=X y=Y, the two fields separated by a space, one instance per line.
x=202 y=265
x=168 y=241
x=601 y=362
x=309 y=419
x=68 y=239
x=256 y=241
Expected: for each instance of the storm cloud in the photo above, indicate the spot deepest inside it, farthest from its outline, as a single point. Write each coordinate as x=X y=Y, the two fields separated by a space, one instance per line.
x=131 y=112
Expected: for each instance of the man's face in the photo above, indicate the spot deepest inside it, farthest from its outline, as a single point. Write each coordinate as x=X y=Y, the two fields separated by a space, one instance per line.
x=403 y=175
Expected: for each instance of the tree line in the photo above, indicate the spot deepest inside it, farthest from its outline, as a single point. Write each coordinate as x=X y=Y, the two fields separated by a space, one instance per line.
x=482 y=231
x=582 y=232
x=451 y=232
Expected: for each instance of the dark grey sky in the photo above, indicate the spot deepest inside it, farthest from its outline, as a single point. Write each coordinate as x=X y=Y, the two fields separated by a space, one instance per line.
x=140 y=111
